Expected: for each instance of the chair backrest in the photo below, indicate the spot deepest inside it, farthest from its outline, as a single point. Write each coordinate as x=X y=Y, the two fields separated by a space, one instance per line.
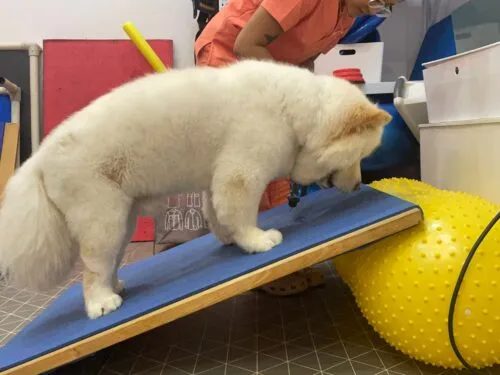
x=364 y=30
x=439 y=42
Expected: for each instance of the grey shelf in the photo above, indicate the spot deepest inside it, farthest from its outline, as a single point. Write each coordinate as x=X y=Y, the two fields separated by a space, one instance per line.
x=378 y=88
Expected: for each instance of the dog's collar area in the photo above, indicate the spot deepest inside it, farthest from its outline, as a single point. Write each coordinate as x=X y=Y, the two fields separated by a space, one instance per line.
x=329 y=180
x=296 y=192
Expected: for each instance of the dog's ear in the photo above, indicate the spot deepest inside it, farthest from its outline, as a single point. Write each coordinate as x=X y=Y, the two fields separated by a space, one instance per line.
x=363 y=117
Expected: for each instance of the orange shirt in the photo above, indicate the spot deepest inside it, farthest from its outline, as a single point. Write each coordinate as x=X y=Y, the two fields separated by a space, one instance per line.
x=310 y=27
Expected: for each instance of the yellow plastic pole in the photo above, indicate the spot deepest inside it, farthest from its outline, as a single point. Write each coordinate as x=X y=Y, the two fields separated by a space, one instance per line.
x=144 y=47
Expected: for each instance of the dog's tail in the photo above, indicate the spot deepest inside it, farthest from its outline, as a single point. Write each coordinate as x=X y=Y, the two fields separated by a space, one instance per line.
x=36 y=248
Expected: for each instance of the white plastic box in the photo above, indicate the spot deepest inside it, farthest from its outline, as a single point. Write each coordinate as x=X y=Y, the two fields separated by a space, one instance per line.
x=367 y=57
x=465 y=86
x=462 y=156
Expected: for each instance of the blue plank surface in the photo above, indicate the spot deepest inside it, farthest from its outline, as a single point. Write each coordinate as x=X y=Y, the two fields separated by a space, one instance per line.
x=198 y=265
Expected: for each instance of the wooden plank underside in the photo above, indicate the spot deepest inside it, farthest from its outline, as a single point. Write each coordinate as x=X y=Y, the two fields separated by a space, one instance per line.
x=219 y=293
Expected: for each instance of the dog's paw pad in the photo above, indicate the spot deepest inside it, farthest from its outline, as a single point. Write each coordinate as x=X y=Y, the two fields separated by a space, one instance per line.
x=98 y=308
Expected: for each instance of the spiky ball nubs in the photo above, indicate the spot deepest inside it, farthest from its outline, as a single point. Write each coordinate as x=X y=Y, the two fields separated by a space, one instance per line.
x=403 y=284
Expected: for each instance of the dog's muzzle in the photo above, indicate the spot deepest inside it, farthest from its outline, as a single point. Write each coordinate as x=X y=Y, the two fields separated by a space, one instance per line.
x=328 y=183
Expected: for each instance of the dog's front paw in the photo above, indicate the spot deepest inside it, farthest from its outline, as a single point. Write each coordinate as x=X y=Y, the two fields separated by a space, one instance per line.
x=255 y=240
x=101 y=306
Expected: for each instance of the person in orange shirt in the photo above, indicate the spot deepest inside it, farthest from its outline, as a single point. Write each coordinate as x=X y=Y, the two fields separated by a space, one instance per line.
x=289 y=31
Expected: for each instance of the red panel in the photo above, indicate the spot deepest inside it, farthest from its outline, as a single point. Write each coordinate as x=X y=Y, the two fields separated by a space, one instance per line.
x=77 y=71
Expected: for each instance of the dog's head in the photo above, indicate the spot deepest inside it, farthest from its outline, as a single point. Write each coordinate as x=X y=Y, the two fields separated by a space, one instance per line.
x=349 y=131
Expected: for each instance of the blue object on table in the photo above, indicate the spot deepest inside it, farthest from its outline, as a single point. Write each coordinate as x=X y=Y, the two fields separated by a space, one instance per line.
x=201 y=264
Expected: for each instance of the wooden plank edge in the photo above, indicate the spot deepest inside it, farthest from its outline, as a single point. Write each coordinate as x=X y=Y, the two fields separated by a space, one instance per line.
x=219 y=293
x=10 y=153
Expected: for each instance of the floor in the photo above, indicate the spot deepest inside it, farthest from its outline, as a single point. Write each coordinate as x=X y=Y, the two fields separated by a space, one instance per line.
x=318 y=332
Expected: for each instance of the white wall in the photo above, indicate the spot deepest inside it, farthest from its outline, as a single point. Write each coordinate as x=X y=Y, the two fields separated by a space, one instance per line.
x=35 y=20
x=404 y=32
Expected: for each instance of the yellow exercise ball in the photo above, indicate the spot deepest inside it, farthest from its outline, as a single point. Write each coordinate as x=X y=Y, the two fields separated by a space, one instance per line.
x=403 y=284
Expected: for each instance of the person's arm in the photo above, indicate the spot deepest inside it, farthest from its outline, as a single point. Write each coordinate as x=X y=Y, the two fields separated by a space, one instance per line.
x=260 y=31
x=270 y=20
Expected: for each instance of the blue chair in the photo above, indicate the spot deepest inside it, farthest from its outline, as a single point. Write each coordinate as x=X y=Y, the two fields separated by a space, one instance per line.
x=439 y=42
x=364 y=30
x=398 y=147
x=398 y=144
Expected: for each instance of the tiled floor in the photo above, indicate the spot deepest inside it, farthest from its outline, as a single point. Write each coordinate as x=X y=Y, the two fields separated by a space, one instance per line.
x=318 y=332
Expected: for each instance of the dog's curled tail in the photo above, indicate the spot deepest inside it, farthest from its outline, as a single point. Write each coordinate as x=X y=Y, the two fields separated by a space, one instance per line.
x=36 y=248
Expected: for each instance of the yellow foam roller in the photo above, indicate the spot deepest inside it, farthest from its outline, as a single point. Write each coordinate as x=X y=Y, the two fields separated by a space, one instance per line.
x=144 y=47
x=404 y=283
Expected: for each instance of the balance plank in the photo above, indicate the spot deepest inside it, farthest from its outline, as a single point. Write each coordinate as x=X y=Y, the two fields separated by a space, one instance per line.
x=201 y=273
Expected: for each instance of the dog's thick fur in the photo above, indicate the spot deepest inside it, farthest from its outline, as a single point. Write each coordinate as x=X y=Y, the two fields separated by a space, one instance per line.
x=226 y=131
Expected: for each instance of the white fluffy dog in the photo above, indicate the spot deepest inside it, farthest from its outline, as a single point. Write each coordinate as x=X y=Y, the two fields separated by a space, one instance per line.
x=226 y=131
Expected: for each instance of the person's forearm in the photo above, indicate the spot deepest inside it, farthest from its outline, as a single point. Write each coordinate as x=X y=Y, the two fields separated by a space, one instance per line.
x=254 y=52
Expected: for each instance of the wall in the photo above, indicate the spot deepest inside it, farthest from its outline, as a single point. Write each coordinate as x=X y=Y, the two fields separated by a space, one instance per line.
x=35 y=20
x=477 y=24
x=403 y=33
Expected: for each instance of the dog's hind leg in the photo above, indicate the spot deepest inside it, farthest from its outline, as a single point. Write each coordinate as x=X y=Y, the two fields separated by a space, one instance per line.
x=236 y=194
x=100 y=226
x=118 y=285
x=220 y=231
